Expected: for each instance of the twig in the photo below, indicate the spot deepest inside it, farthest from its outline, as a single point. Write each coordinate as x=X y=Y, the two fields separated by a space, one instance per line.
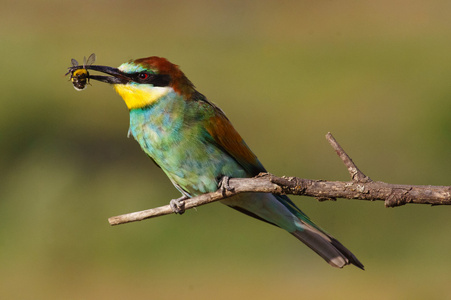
x=361 y=187
x=356 y=174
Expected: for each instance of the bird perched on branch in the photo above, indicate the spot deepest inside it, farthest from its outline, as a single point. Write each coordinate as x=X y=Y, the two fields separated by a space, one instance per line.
x=194 y=143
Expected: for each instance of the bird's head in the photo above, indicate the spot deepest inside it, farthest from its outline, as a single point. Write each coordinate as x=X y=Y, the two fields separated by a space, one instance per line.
x=143 y=81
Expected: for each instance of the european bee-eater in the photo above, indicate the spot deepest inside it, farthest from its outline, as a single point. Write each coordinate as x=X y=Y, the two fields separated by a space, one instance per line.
x=194 y=143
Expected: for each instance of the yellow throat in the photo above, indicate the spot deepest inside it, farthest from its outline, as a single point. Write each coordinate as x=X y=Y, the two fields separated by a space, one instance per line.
x=139 y=96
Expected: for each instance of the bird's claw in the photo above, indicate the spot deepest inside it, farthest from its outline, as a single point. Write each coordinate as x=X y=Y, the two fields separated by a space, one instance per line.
x=224 y=184
x=178 y=205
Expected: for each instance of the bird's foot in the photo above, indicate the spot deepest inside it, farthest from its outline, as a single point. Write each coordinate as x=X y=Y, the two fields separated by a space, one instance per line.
x=178 y=205
x=224 y=185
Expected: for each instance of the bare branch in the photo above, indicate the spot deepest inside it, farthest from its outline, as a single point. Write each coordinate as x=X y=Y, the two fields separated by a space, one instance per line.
x=236 y=186
x=361 y=187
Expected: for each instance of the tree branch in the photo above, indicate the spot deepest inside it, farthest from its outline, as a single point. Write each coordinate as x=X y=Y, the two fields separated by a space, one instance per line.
x=360 y=187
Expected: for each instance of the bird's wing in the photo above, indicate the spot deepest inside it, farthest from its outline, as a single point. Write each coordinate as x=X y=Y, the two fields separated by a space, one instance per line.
x=227 y=138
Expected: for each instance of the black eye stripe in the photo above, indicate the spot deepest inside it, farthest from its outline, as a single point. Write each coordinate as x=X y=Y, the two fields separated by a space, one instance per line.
x=161 y=80
x=153 y=79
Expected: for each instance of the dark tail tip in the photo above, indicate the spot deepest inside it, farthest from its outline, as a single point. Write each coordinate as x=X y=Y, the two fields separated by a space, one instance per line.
x=356 y=263
x=348 y=254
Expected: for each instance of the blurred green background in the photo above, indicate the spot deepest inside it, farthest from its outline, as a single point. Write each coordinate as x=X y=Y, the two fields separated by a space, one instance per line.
x=374 y=73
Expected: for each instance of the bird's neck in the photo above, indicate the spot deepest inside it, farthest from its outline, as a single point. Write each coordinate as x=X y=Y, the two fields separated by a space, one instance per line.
x=160 y=116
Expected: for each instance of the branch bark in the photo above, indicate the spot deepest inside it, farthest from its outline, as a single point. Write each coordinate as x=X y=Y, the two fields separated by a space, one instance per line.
x=360 y=187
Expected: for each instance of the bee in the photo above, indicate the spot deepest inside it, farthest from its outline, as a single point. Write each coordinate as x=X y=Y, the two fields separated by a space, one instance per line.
x=80 y=77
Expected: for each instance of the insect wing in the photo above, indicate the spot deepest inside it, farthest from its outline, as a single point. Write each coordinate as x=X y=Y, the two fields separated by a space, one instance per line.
x=74 y=62
x=91 y=59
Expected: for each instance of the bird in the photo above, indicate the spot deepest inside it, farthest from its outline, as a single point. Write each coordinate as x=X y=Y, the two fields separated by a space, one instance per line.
x=196 y=146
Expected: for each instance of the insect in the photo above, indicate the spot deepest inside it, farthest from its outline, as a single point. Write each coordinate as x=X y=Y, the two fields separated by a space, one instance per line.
x=80 y=76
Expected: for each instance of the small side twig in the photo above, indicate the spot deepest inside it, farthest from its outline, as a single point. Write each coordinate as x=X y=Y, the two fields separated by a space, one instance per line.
x=356 y=174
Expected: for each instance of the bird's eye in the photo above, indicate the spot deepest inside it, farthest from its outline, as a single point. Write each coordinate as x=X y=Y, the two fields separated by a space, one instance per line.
x=143 y=76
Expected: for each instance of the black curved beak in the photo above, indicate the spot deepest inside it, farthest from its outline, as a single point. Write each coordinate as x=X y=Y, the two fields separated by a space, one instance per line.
x=117 y=76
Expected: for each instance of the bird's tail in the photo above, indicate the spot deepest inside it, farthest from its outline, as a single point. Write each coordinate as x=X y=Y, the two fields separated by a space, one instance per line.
x=317 y=239
x=280 y=211
x=326 y=246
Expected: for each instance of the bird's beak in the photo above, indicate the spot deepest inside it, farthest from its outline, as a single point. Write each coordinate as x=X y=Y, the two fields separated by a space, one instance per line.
x=117 y=76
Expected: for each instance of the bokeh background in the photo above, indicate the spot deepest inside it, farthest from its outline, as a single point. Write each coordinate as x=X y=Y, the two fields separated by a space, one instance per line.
x=374 y=73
